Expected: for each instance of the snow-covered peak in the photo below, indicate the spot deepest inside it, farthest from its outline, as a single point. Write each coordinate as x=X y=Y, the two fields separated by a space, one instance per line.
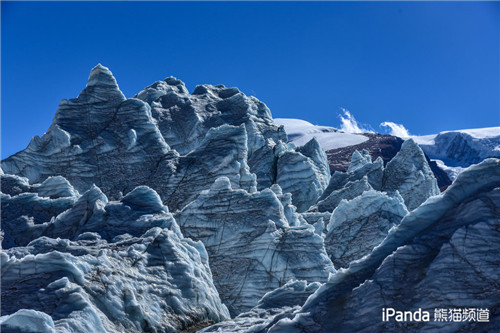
x=476 y=133
x=456 y=150
x=300 y=132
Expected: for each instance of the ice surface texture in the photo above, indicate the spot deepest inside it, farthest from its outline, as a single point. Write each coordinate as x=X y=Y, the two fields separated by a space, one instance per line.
x=410 y=174
x=442 y=255
x=102 y=266
x=102 y=138
x=252 y=247
x=358 y=225
x=274 y=306
x=90 y=245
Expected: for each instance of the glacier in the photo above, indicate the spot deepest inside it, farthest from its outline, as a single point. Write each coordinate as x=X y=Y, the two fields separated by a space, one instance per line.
x=180 y=212
x=456 y=150
x=410 y=174
x=274 y=306
x=103 y=266
x=359 y=225
x=442 y=255
x=248 y=235
x=225 y=129
x=87 y=202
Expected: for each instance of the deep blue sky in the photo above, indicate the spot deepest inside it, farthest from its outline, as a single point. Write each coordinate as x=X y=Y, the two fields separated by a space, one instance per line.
x=428 y=65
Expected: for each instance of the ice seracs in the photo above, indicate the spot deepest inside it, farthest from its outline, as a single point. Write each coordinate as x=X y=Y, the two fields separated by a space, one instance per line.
x=102 y=138
x=359 y=225
x=441 y=255
x=409 y=173
x=102 y=266
x=172 y=210
x=304 y=173
x=252 y=247
x=274 y=306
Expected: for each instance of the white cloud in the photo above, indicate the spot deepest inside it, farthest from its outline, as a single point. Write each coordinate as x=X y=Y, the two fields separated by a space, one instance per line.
x=396 y=129
x=349 y=124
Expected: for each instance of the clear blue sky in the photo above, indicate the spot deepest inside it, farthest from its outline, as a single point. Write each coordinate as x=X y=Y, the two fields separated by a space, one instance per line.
x=431 y=66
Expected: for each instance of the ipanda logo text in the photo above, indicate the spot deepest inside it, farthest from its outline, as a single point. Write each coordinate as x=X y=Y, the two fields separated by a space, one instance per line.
x=419 y=315
x=447 y=315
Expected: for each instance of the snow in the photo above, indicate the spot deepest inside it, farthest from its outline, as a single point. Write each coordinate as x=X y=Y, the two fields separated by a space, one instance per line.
x=424 y=139
x=480 y=133
x=300 y=132
x=477 y=133
x=452 y=172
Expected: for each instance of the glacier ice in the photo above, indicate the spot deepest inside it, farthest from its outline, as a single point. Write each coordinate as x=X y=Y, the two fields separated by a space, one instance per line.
x=373 y=171
x=103 y=266
x=185 y=119
x=272 y=307
x=98 y=149
x=87 y=141
x=102 y=138
x=349 y=191
x=359 y=225
x=90 y=245
x=410 y=174
x=252 y=247
x=304 y=173
x=442 y=255
x=462 y=148
x=26 y=320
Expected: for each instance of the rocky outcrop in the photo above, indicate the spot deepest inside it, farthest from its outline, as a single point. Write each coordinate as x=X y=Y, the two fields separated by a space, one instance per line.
x=378 y=145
